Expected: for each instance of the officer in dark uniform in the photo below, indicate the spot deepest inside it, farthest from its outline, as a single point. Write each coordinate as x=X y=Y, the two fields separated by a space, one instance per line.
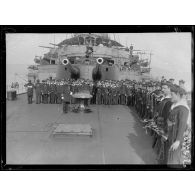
x=98 y=96
x=58 y=90
x=112 y=94
x=94 y=93
x=45 y=93
x=66 y=97
x=122 y=94
x=49 y=91
x=102 y=93
x=109 y=94
x=149 y=102
x=144 y=95
x=52 y=93
x=38 y=92
x=129 y=95
x=55 y=92
x=138 y=100
x=106 y=94
x=181 y=84
x=41 y=86
x=132 y=99
x=117 y=95
x=171 y=81
x=30 y=87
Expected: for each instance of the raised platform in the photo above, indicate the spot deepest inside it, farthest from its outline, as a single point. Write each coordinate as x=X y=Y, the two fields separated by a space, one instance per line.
x=73 y=129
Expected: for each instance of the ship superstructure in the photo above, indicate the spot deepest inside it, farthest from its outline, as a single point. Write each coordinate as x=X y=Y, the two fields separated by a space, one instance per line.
x=92 y=56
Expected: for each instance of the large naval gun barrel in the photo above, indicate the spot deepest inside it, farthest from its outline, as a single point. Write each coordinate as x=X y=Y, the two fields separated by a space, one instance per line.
x=66 y=70
x=97 y=73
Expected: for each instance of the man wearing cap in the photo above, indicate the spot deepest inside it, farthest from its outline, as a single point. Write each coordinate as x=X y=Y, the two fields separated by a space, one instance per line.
x=30 y=87
x=144 y=100
x=140 y=101
x=123 y=94
x=55 y=92
x=58 y=92
x=49 y=88
x=132 y=101
x=171 y=81
x=148 y=102
x=93 y=92
x=98 y=95
x=52 y=92
x=114 y=93
x=66 y=97
x=41 y=87
x=130 y=94
x=163 y=111
x=162 y=79
x=38 y=92
x=45 y=93
x=181 y=84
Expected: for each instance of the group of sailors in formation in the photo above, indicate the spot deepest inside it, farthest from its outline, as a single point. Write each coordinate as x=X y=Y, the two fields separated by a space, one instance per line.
x=161 y=106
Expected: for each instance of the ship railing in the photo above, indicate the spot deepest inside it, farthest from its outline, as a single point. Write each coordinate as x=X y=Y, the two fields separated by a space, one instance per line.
x=19 y=90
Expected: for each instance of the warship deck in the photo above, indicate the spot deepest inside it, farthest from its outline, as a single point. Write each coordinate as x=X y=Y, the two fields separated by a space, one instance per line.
x=118 y=136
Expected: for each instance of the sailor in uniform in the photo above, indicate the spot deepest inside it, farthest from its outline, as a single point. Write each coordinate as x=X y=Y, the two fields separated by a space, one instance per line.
x=161 y=123
x=122 y=93
x=181 y=84
x=171 y=81
x=144 y=100
x=178 y=122
x=38 y=92
x=94 y=93
x=52 y=92
x=49 y=91
x=30 y=87
x=58 y=90
x=66 y=97
x=98 y=96
x=132 y=100
x=45 y=93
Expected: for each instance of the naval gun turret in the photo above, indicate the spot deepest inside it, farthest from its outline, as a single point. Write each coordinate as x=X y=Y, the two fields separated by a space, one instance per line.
x=97 y=72
x=93 y=56
x=67 y=70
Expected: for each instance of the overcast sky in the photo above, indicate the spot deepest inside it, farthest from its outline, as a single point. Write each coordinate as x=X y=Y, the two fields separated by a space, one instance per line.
x=171 y=51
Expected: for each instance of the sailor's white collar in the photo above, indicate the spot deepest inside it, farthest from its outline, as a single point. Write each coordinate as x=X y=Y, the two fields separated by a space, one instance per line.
x=182 y=102
x=166 y=97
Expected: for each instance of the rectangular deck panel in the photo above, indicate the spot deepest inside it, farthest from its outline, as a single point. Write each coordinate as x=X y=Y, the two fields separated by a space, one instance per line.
x=73 y=129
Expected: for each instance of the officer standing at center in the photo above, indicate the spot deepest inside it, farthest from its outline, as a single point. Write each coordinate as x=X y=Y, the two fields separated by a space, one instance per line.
x=52 y=92
x=38 y=92
x=45 y=93
x=59 y=92
x=30 y=87
x=66 y=97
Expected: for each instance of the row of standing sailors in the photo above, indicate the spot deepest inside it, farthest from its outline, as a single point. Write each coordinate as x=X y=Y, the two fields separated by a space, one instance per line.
x=104 y=92
x=51 y=92
x=144 y=98
x=155 y=110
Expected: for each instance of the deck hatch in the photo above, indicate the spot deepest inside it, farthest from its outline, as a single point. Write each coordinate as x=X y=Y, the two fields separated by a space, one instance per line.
x=73 y=129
